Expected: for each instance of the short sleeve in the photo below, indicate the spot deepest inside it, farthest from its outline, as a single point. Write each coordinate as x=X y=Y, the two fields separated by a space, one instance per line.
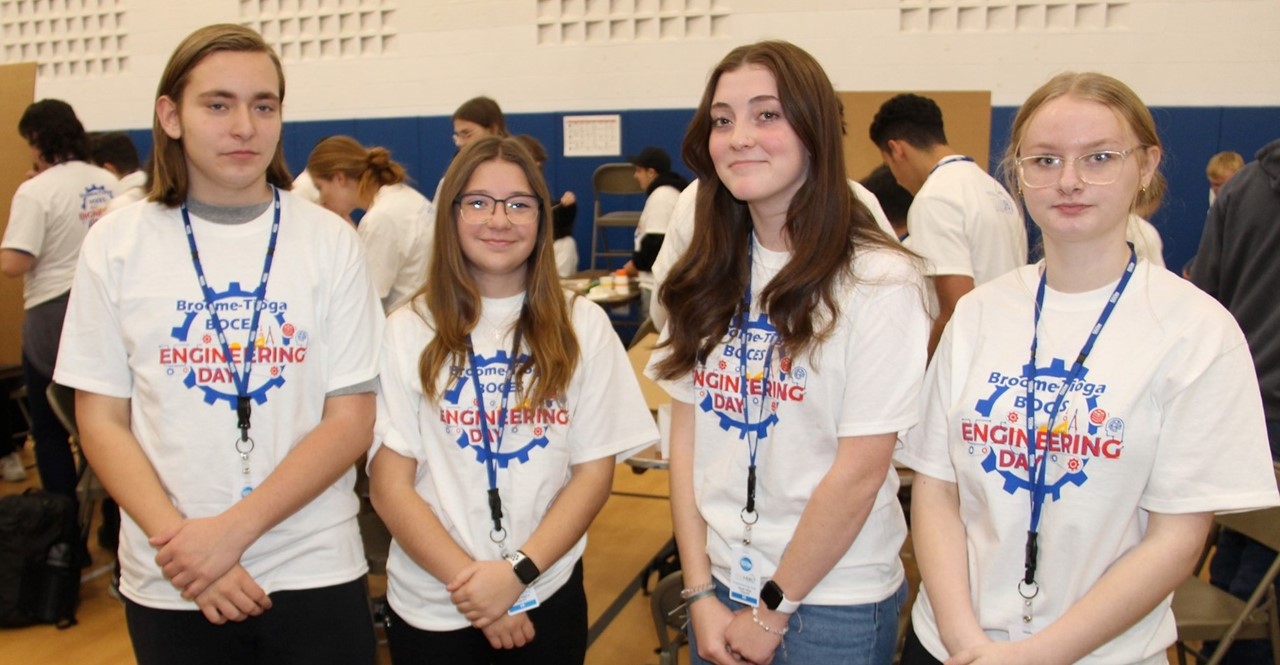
x=92 y=356
x=26 y=228
x=400 y=398
x=610 y=416
x=681 y=389
x=885 y=352
x=925 y=446
x=937 y=234
x=1213 y=452
x=354 y=320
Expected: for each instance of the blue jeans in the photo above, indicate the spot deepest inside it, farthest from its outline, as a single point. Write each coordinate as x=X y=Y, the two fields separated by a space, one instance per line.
x=1237 y=567
x=846 y=634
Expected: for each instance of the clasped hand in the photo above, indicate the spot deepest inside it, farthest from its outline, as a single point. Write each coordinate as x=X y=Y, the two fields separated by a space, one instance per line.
x=194 y=553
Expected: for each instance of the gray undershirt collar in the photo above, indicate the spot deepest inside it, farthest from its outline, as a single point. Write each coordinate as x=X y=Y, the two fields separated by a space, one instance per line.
x=226 y=214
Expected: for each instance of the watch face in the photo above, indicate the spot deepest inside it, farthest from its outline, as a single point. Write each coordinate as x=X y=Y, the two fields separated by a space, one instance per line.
x=771 y=594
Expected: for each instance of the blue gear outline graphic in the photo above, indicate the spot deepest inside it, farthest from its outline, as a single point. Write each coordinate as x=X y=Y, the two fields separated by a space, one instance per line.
x=453 y=395
x=728 y=423
x=1013 y=482
x=211 y=396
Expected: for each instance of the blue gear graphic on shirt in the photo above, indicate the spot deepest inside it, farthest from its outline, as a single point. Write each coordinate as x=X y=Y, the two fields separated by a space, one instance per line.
x=211 y=395
x=1013 y=482
x=727 y=421
x=453 y=396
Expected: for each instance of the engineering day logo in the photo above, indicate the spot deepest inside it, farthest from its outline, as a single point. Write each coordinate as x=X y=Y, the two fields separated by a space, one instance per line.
x=999 y=435
x=461 y=417
x=719 y=381
x=196 y=357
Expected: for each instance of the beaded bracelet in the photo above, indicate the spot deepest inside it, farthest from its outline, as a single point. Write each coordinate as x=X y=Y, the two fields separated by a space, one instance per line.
x=688 y=593
x=755 y=618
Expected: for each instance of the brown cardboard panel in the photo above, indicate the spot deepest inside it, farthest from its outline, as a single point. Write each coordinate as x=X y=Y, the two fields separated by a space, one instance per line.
x=17 y=91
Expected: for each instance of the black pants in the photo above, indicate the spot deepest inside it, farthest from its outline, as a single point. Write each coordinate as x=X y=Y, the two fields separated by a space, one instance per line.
x=559 y=624
x=329 y=625
x=914 y=653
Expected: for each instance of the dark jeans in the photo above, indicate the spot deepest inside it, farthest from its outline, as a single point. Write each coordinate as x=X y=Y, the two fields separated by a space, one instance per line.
x=53 y=447
x=1237 y=567
x=559 y=624
x=325 y=626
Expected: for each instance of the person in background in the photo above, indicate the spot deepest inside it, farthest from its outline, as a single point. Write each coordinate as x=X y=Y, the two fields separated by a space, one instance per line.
x=662 y=188
x=1063 y=487
x=395 y=228
x=1143 y=234
x=115 y=152
x=962 y=221
x=476 y=118
x=1220 y=169
x=235 y=469
x=793 y=353
x=48 y=219
x=1236 y=264
x=504 y=403
x=893 y=198
x=563 y=213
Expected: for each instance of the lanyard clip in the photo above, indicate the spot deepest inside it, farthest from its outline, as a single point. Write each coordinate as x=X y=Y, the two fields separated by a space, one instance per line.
x=243 y=411
x=751 y=489
x=1032 y=551
x=495 y=509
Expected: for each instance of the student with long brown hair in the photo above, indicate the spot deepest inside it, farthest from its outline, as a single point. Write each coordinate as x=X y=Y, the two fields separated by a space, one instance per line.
x=793 y=355
x=395 y=228
x=504 y=402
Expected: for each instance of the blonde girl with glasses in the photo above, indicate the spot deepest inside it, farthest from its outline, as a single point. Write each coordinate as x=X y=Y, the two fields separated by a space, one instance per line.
x=1083 y=417
x=504 y=404
x=395 y=229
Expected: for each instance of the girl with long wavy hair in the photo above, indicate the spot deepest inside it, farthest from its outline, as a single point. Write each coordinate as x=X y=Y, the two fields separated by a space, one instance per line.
x=793 y=355
x=504 y=403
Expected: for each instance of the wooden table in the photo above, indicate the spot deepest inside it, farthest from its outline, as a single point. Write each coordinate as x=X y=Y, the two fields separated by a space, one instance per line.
x=654 y=396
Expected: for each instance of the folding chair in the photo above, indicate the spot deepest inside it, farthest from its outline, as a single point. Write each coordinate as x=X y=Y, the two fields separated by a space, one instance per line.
x=614 y=180
x=669 y=617
x=1204 y=612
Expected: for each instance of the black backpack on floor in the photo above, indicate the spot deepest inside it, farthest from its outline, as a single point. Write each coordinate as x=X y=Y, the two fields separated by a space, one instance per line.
x=39 y=576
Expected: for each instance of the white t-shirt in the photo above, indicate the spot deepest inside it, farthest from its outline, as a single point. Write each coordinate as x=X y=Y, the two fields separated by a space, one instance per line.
x=49 y=216
x=680 y=235
x=1146 y=239
x=397 y=240
x=864 y=380
x=656 y=216
x=133 y=188
x=566 y=251
x=963 y=222
x=1167 y=418
x=602 y=414
x=137 y=328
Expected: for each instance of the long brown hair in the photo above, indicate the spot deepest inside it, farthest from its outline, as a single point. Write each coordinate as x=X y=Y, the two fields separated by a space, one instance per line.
x=1109 y=92
x=825 y=224
x=169 y=177
x=370 y=168
x=452 y=299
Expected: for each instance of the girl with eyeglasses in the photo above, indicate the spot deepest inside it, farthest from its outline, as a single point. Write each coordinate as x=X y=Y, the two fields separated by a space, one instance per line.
x=395 y=229
x=504 y=403
x=1083 y=417
x=793 y=354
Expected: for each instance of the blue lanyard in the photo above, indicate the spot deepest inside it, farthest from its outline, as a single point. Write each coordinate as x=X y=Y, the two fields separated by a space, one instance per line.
x=1036 y=466
x=753 y=437
x=492 y=443
x=241 y=379
x=949 y=160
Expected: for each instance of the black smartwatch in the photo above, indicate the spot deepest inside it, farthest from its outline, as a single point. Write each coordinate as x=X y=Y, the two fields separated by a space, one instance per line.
x=776 y=600
x=524 y=567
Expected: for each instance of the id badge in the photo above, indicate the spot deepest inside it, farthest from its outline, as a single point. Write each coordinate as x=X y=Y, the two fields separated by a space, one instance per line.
x=528 y=600
x=1020 y=631
x=744 y=575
